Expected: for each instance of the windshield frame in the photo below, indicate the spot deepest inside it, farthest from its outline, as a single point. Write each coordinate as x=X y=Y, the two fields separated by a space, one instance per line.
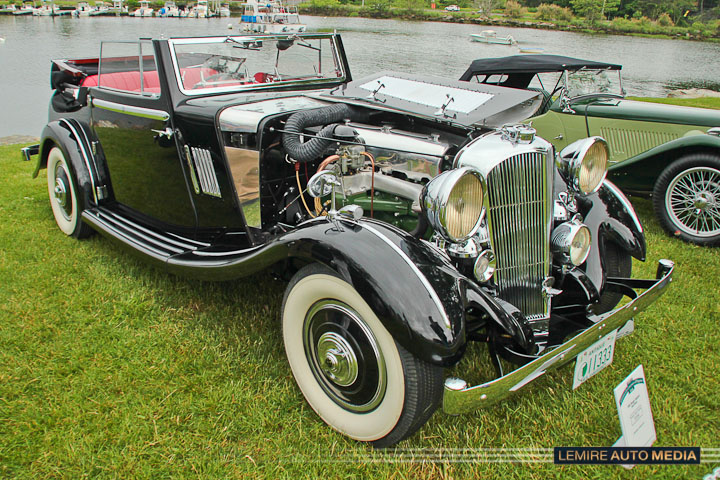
x=335 y=45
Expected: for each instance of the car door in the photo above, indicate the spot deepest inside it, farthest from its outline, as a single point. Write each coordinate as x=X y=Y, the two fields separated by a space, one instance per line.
x=131 y=118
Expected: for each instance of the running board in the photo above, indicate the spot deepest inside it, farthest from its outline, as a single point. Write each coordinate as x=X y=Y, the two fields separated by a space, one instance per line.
x=157 y=245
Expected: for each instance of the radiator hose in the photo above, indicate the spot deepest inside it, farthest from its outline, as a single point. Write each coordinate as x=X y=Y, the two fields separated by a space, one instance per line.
x=315 y=147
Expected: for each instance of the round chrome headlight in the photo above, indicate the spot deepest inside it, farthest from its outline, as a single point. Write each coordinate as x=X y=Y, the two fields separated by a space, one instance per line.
x=584 y=164
x=453 y=202
x=571 y=242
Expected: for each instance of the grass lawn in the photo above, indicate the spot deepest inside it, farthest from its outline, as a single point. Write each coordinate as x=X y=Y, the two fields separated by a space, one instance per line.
x=112 y=369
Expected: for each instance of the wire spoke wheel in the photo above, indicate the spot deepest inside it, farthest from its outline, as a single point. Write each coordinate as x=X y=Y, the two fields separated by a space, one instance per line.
x=686 y=199
x=693 y=201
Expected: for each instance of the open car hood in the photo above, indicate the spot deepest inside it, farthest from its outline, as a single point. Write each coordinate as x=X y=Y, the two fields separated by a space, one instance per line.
x=449 y=101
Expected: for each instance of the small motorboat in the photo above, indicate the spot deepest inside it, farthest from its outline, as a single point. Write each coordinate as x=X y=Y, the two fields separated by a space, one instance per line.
x=224 y=10
x=491 y=36
x=26 y=9
x=169 y=10
x=101 y=8
x=144 y=10
x=118 y=8
x=46 y=10
x=530 y=49
x=83 y=9
x=270 y=17
x=8 y=9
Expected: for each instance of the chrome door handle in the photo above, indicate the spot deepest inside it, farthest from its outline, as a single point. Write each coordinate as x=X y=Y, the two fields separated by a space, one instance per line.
x=559 y=137
x=168 y=132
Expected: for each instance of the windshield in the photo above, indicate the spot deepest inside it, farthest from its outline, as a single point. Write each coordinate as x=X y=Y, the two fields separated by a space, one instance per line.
x=589 y=82
x=221 y=64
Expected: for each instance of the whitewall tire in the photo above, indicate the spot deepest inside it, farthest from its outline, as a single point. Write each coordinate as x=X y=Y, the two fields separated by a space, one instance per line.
x=64 y=199
x=349 y=368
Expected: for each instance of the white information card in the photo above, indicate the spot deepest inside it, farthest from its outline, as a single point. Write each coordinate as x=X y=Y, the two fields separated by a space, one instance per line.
x=633 y=404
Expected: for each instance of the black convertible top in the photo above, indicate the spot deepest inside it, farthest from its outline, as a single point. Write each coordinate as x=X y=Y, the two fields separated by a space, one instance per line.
x=531 y=64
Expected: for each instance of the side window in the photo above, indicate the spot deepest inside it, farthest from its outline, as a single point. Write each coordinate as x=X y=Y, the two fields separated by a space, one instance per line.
x=128 y=67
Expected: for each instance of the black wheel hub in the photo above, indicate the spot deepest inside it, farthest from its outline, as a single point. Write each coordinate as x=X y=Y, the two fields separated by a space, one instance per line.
x=344 y=356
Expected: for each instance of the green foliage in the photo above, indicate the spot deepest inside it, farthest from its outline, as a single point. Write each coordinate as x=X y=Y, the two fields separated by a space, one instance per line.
x=664 y=20
x=551 y=12
x=485 y=7
x=411 y=6
x=376 y=9
x=674 y=8
x=590 y=9
x=513 y=9
x=324 y=3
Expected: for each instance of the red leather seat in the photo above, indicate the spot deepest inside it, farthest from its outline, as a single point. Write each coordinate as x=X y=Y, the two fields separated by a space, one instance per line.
x=127 y=81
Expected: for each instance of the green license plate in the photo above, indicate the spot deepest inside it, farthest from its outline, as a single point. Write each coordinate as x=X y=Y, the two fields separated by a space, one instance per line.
x=593 y=359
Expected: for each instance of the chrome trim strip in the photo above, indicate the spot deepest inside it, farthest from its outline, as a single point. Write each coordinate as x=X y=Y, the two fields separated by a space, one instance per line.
x=200 y=253
x=206 y=171
x=131 y=110
x=625 y=202
x=460 y=398
x=84 y=154
x=415 y=269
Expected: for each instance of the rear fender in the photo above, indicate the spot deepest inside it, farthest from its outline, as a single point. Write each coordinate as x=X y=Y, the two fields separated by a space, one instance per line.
x=69 y=137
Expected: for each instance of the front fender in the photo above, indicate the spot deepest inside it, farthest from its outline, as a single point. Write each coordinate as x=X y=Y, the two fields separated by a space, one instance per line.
x=417 y=294
x=611 y=218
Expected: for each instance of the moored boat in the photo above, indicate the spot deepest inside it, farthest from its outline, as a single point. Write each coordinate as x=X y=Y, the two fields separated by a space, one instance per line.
x=47 y=9
x=118 y=8
x=144 y=11
x=83 y=9
x=169 y=10
x=8 y=9
x=26 y=9
x=271 y=17
x=491 y=36
x=101 y=8
x=200 y=10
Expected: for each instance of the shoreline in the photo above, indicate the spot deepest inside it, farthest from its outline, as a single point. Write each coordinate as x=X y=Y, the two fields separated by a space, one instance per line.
x=499 y=20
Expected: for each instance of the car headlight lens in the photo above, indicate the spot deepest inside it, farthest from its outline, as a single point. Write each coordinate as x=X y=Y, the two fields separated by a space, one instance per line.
x=571 y=242
x=584 y=164
x=453 y=203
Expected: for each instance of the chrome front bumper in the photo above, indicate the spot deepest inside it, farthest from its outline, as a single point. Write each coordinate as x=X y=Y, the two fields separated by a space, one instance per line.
x=461 y=398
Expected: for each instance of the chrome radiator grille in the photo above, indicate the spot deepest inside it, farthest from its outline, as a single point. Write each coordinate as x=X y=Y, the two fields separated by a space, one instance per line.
x=519 y=219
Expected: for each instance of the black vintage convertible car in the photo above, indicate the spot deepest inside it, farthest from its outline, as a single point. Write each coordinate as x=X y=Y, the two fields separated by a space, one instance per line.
x=411 y=215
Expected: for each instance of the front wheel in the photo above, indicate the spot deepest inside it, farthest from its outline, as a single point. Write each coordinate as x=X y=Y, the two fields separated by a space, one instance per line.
x=686 y=198
x=349 y=368
x=65 y=201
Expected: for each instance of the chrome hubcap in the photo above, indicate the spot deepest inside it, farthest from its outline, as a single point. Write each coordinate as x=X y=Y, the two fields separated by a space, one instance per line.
x=692 y=201
x=62 y=193
x=337 y=359
x=344 y=356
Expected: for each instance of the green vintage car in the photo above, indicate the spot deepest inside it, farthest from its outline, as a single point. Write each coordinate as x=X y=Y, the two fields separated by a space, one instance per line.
x=668 y=152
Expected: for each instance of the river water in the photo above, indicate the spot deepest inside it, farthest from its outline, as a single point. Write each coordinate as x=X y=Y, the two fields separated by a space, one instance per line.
x=650 y=66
